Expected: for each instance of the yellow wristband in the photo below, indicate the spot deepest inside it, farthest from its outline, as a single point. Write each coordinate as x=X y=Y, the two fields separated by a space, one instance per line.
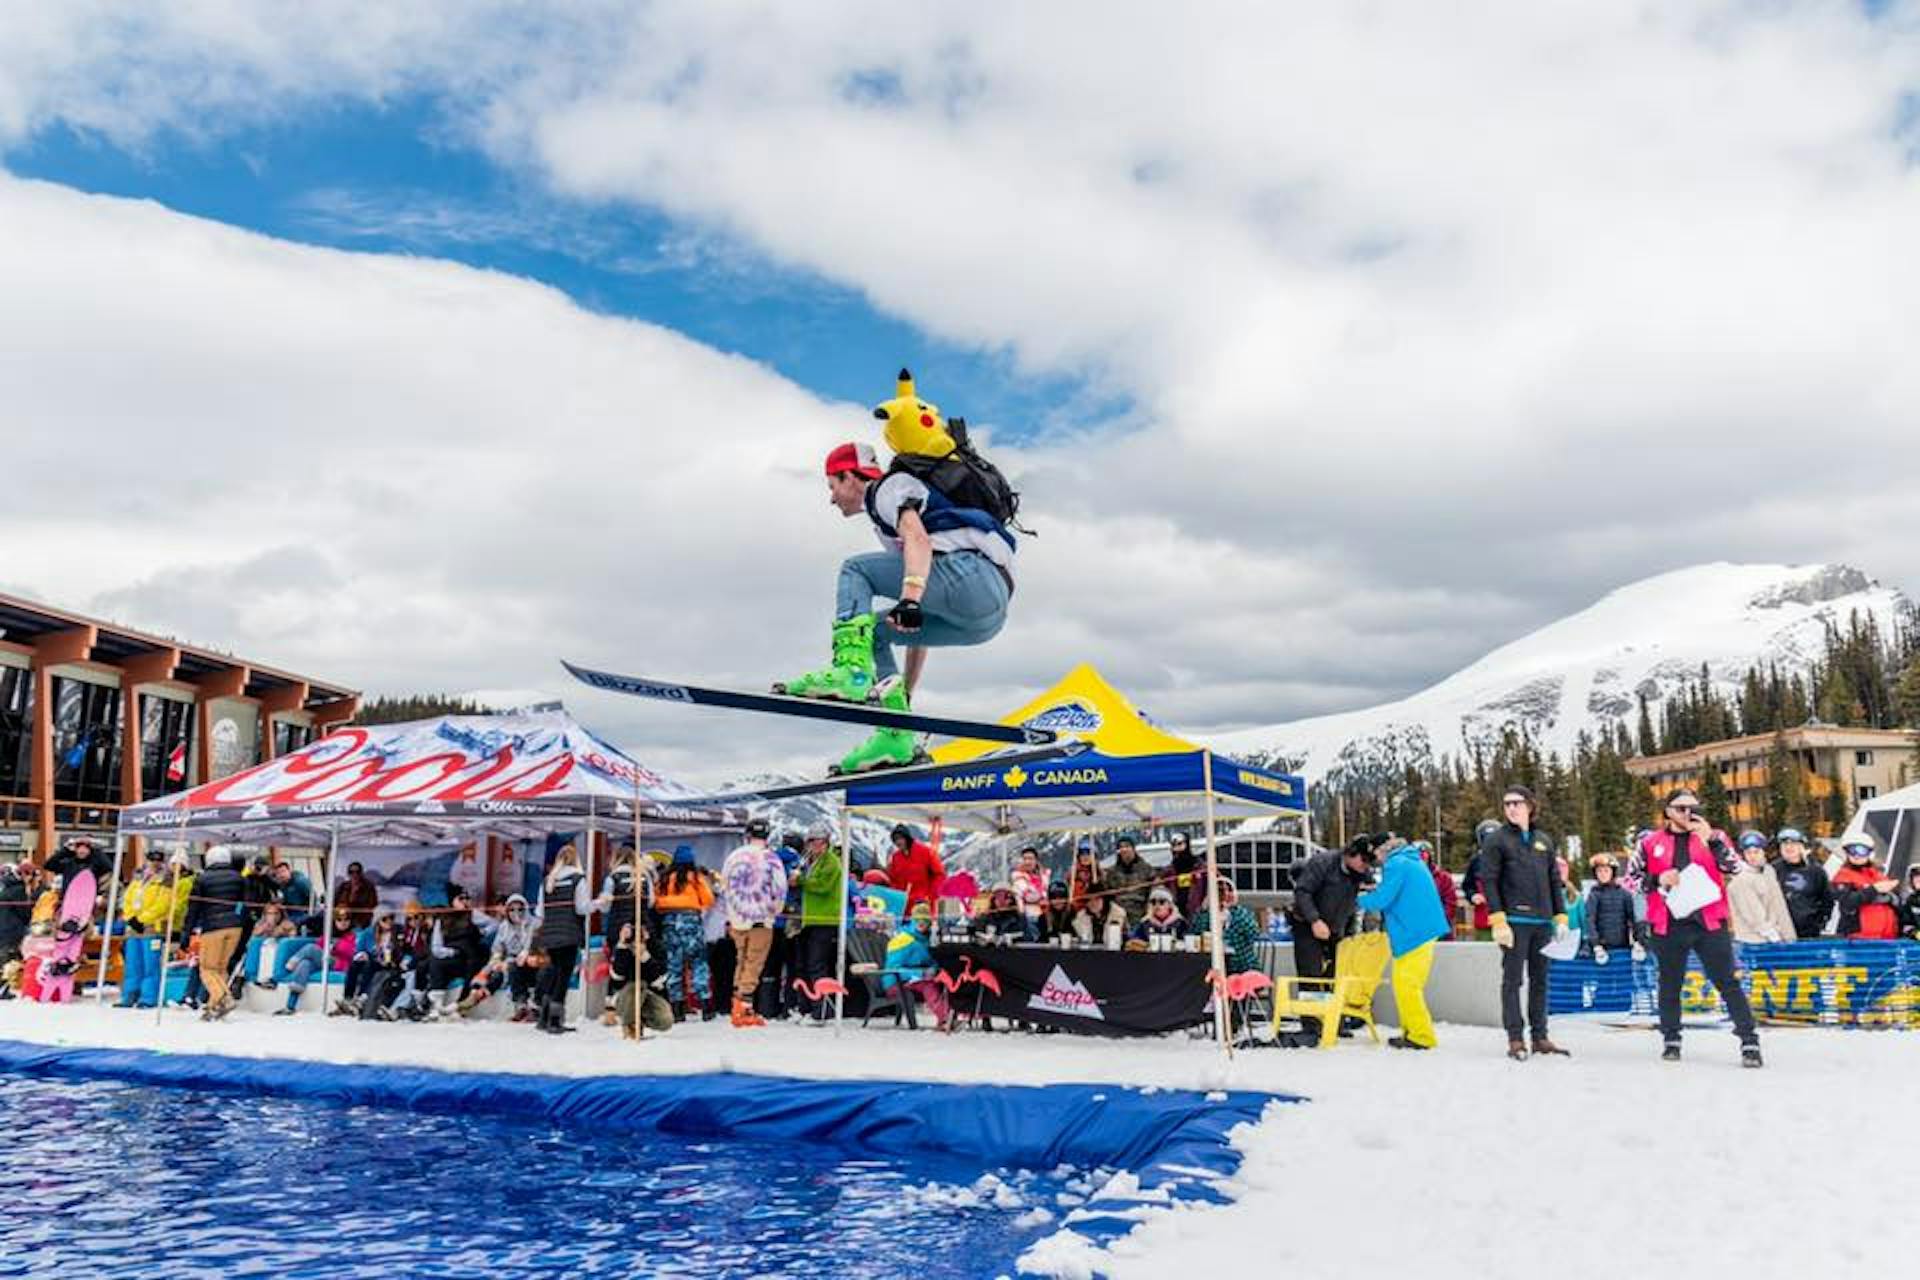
x=914 y=580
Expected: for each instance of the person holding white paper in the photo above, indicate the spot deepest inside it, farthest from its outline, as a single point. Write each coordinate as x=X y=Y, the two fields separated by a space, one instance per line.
x=1685 y=848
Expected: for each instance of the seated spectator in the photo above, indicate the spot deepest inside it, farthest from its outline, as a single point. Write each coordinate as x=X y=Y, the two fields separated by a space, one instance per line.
x=1759 y=908
x=413 y=944
x=1865 y=895
x=1239 y=931
x=910 y=963
x=1608 y=911
x=1086 y=884
x=1129 y=877
x=457 y=950
x=370 y=945
x=1030 y=890
x=264 y=948
x=1162 y=919
x=1002 y=918
x=1057 y=921
x=1808 y=892
x=307 y=962
x=1910 y=905
x=509 y=965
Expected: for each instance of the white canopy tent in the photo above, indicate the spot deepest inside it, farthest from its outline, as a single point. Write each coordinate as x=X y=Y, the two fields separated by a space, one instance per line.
x=523 y=776
x=1892 y=822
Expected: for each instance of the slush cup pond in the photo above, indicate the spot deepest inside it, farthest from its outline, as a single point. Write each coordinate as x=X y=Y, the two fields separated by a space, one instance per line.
x=104 y=1177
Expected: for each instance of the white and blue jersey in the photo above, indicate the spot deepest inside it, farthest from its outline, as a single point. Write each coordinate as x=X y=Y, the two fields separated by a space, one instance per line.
x=950 y=528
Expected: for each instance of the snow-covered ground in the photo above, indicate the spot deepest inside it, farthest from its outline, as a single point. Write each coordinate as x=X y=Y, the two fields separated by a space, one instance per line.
x=1450 y=1163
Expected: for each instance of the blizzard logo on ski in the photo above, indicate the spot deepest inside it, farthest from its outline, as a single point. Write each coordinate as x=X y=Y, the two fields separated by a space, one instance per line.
x=1072 y=716
x=638 y=688
x=1063 y=995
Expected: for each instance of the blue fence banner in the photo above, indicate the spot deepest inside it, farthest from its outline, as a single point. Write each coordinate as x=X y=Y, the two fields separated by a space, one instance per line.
x=1826 y=981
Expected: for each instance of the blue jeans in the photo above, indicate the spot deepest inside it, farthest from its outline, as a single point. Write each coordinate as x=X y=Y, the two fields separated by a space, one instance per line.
x=965 y=601
x=287 y=955
x=687 y=950
x=140 y=976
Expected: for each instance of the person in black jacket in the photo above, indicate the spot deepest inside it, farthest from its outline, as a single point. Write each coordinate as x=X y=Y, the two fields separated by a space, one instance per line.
x=1910 y=905
x=1324 y=890
x=216 y=912
x=1525 y=909
x=16 y=912
x=1609 y=914
x=1804 y=884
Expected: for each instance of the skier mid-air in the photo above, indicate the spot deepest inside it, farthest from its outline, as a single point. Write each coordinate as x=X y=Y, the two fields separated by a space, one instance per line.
x=943 y=516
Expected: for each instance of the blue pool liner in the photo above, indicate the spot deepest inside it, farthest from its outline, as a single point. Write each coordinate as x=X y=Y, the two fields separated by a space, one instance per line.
x=1174 y=1141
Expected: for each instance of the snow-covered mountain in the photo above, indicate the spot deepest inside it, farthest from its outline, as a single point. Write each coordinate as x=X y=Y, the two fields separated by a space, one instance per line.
x=1590 y=669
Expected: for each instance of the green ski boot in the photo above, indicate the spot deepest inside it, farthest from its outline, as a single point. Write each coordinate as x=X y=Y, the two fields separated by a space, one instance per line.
x=887 y=748
x=850 y=676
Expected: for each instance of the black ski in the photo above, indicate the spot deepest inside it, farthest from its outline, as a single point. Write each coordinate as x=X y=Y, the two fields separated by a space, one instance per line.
x=911 y=773
x=811 y=708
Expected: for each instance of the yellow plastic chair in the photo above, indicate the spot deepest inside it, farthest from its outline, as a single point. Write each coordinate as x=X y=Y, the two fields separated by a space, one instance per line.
x=1359 y=966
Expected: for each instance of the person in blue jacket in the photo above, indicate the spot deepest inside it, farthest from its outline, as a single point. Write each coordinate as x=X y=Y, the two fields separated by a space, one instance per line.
x=910 y=963
x=1409 y=902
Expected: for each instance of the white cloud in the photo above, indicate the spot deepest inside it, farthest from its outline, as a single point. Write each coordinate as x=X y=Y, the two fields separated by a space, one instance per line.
x=1437 y=323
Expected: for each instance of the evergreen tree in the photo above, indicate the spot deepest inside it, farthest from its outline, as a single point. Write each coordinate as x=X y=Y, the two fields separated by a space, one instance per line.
x=1786 y=797
x=1713 y=796
x=1648 y=741
x=417 y=706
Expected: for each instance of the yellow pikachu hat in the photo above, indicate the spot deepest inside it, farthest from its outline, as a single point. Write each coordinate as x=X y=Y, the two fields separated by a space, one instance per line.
x=913 y=425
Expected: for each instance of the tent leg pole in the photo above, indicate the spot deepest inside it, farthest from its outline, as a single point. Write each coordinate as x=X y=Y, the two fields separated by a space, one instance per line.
x=106 y=936
x=840 y=945
x=326 y=919
x=1213 y=916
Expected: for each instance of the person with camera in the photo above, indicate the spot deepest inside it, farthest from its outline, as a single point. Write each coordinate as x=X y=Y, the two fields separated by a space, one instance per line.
x=1686 y=842
x=1526 y=910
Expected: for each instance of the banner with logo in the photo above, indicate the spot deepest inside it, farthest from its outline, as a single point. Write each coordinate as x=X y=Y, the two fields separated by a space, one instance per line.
x=518 y=775
x=1097 y=992
x=1827 y=982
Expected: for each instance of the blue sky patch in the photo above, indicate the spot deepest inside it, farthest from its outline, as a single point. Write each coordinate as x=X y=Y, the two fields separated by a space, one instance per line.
x=390 y=179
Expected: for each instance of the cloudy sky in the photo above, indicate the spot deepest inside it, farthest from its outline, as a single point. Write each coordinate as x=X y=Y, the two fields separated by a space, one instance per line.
x=417 y=347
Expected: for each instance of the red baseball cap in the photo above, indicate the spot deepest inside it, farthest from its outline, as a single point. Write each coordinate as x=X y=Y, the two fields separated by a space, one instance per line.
x=855 y=457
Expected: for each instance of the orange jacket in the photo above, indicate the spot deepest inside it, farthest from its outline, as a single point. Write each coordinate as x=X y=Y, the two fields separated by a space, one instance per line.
x=695 y=896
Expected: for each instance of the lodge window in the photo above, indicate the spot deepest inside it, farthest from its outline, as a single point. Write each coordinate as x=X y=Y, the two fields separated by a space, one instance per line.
x=86 y=741
x=1868 y=793
x=289 y=737
x=1863 y=757
x=166 y=744
x=16 y=730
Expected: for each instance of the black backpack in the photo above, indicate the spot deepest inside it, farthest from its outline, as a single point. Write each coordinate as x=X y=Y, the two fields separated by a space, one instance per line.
x=965 y=478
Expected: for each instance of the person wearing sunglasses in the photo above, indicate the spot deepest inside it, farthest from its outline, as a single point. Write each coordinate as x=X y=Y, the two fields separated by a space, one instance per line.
x=1685 y=839
x=1526 y=909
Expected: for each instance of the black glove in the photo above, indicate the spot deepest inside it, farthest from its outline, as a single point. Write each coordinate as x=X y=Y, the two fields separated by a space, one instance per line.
x=906 y=616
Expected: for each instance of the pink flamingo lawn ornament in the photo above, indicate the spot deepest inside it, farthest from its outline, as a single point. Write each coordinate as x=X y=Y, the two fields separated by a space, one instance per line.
x=820 y=989
x=984 y=979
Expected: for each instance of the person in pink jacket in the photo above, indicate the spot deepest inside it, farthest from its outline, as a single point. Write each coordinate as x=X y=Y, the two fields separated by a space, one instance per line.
x=1685 y=840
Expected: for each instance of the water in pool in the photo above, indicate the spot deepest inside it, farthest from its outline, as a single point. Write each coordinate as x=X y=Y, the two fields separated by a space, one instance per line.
x=107 y=1178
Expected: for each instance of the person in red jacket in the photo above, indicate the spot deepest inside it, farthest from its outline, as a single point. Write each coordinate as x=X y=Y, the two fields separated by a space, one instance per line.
x=1687 y=841
x=1443 y=882
x=1866 y=895
x=914 y=869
